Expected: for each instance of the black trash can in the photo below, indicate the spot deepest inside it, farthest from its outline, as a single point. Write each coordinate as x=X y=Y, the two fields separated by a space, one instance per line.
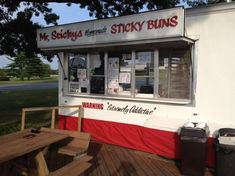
x=193 y=150
x=225 y=152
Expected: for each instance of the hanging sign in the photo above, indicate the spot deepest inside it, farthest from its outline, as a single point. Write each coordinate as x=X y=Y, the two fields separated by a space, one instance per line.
x=148 y=25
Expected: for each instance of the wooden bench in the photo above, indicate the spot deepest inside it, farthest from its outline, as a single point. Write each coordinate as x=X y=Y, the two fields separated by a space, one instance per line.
x=77 y=147
x=75 y=168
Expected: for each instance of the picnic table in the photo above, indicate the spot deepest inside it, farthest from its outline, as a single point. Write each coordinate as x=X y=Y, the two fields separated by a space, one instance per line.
x=26 y=142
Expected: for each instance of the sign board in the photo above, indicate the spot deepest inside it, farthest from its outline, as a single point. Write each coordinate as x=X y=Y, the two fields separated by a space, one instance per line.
x=148 y=25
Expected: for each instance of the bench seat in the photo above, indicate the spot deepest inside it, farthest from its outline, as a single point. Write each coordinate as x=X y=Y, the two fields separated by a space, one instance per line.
x=77 y=146
x=75 y=168
x=71 y=150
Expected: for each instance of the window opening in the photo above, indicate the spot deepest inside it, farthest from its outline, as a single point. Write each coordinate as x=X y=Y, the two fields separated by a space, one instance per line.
x=78 y=73
x=97 y=78
x=144 y=74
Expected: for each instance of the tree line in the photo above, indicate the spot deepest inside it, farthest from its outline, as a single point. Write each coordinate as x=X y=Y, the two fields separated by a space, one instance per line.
x=25 y=67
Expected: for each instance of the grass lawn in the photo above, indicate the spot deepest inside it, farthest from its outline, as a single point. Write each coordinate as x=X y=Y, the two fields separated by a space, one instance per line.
x=44 y=80
x=11 y=103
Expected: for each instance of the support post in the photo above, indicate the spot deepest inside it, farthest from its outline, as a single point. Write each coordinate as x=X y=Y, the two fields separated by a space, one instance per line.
x=80 y=116
x=53 y=118
x=22 y=119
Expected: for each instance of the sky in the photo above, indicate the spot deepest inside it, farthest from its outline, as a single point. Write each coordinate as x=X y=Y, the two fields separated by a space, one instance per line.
x=67 y=15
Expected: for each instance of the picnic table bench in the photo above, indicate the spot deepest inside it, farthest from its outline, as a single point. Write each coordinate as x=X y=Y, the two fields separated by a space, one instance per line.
x=75 y=168
x=77 y=147
x=25 y=143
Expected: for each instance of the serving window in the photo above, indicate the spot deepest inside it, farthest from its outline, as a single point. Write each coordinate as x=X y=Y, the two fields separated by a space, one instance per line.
x=119 y=73
x=97 y=77
x=77 y=73
x=174 y=73
x=144 y=74
x=163 y=73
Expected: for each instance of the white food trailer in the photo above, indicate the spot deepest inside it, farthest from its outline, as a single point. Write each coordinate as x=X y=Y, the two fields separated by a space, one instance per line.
x=141 y=77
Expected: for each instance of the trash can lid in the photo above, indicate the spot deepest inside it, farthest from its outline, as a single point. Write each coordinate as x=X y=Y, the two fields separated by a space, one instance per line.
x=227 y=140
x=195 y=130
x=196 y=125
x=226 y=132
x=226 y=136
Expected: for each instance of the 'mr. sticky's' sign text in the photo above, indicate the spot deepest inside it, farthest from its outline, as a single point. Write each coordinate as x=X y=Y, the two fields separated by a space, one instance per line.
x=149 y=25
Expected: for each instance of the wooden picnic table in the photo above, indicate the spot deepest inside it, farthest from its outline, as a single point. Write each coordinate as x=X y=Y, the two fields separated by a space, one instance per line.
x=25 y=142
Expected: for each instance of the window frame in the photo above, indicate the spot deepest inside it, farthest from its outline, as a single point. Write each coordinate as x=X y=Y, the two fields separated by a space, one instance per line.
x=107 y=69
x=139 y=94
x=68 y=73
x=171 y=57
x=96 y=76
x=133 y=96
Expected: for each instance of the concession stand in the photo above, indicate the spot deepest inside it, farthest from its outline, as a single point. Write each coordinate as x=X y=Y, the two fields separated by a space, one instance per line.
x=141 y=77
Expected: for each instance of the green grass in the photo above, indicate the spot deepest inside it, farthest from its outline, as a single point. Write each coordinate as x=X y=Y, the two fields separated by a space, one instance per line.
x=16 y=81
x=12 y=102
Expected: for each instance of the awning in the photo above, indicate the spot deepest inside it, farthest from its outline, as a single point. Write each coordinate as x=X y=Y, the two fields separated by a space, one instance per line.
x=139 y=44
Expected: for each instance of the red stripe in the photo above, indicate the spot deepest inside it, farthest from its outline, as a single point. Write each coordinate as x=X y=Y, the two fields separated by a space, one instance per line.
x=68 y=123
x=164 y=143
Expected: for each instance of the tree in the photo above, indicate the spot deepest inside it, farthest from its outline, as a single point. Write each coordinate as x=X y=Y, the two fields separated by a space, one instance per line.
x=46 y=70
x=54 y=72
x=23 y=66
x=18 y=31
x=3 y=73
x=18 y=67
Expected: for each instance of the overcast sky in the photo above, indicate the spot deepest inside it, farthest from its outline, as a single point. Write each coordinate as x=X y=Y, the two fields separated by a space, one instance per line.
x=67 y=15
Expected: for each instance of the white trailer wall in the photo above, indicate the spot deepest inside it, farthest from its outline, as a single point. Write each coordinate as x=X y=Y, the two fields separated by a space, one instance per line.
x=214 y=27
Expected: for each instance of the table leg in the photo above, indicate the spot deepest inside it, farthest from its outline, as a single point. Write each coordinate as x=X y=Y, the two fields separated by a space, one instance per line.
x=41 y=164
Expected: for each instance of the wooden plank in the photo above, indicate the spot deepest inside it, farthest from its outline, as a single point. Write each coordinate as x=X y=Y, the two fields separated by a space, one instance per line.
x=53 y=118
x=110 y=161
x=80 y=135
x=98 y=162
x=130 y=162
x=76 y=167
x=13 y=136
x=19 y=146
x=41 y=164
x=23 y=119
x=119 y=161
x=127 y=162
x=94 y=151
x=49 y=108
x=71 y=150
x=152 y=166
x=20 y=169
x=154 y=162
x=80 y=116
x=123 y=165
x=143 y=162
x=24 y=110
x=71 y=170
x=78 y=145
x=103 y=164
x=174 y=171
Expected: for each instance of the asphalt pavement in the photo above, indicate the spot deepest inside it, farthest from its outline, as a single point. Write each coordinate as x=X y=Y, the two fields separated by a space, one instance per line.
x=29 y=86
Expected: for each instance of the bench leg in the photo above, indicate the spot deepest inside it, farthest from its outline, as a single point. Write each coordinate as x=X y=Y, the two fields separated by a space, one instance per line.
x=41 y=164
x=21 y=170
x=79 y=156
